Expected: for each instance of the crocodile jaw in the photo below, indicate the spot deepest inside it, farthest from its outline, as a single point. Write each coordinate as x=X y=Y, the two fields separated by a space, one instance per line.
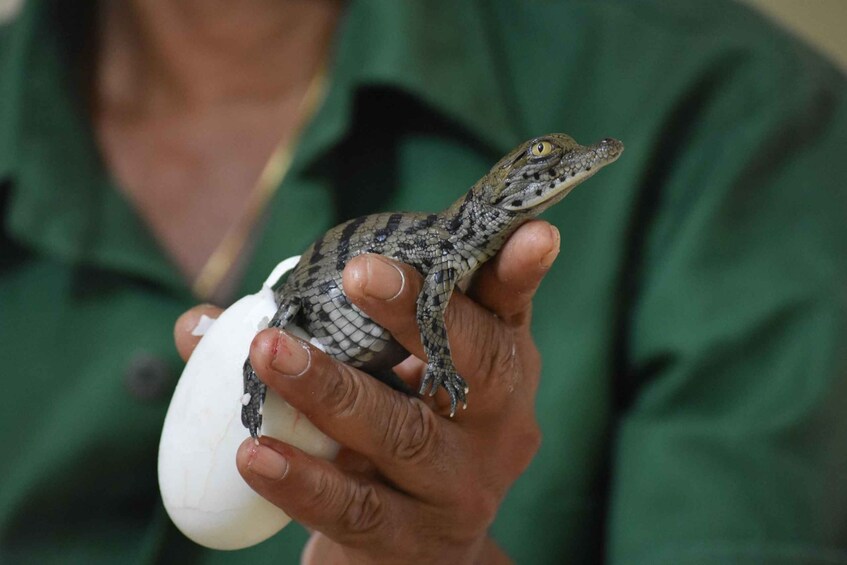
x=573 y=169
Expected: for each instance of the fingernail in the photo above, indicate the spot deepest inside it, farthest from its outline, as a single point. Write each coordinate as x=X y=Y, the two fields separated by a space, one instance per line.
x=291 y=356
x=267 y=463
x=551 y=255
x=384 y=280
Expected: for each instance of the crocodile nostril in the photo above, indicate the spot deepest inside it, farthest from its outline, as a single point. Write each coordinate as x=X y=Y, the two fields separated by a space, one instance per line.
x=611 y=146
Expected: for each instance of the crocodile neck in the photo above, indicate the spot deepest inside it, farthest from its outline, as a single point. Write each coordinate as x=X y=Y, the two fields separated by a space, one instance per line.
x=473 y=224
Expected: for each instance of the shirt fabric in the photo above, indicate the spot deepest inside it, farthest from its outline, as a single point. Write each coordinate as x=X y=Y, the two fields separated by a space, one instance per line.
x=693 y=398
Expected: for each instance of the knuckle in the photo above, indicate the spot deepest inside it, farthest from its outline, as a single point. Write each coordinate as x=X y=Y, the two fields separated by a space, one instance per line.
x=480 y=506
x=326 y=491
x=485 y=506
x=342 y=392
x=500 y=357
x=533 y=440
x=496 y=354
x=411 y=433
x=364 y=511
x=356 y=508
x=526 y=443
x=527 y=361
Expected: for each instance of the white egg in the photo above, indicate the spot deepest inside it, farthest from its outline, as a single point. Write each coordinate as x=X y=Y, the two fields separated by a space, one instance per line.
x=201 y=488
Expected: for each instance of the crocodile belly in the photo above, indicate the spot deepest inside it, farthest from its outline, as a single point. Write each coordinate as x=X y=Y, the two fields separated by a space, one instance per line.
x=348 y=335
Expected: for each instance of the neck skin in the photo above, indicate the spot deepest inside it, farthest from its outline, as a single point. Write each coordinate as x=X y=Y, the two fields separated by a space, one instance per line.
x=166 y=55
x=190 y=98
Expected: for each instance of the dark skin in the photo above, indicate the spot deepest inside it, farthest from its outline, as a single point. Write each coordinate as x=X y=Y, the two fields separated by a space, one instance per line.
x=186 y=115
x=411 y=484
x=188 y=107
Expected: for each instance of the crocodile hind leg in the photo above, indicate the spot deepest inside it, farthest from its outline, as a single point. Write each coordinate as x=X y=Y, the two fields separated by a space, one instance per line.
x=251 y=403
x=432 y=303
x=254 y=389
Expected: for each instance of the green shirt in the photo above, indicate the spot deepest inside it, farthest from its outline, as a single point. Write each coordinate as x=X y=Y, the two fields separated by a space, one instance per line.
x=693 y=329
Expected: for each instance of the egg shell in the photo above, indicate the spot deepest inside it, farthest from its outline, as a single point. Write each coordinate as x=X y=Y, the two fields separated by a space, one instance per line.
x=201 y=488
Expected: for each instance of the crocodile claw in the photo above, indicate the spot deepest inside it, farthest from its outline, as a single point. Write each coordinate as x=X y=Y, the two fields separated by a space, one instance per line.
x=455 y=385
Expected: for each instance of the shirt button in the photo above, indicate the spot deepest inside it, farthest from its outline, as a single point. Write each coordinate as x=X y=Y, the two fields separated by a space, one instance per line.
x=149 y=377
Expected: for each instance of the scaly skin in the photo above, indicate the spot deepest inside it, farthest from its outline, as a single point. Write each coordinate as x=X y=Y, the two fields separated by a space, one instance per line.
x=444 y=248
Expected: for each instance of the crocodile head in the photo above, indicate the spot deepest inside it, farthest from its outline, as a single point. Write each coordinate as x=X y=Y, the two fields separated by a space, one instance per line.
x=542 y=171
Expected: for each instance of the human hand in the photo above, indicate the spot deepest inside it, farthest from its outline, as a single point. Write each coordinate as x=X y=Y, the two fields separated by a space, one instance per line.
x=410 y=484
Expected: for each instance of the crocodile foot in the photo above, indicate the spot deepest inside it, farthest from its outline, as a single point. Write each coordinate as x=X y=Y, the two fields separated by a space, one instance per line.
x=455 y=385
x=251 y=402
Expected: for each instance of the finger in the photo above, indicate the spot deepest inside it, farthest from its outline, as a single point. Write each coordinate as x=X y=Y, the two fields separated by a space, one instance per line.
x=321 y=549
x=412 y=371
x=388 y=291
x=184 y=334
x=401 y=435
x=355 y=463
x=353 y=511
x=506 y=284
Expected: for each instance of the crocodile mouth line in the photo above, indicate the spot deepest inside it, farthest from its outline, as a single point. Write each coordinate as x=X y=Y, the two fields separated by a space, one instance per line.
x=566 y=183
x=600 y=156
x=570 y=169
x=568 y=180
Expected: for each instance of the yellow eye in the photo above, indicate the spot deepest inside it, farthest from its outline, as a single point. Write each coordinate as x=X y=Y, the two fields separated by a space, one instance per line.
x=541 y=149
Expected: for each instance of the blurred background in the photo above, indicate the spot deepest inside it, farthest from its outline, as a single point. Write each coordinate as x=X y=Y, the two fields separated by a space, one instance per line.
x=820 y=22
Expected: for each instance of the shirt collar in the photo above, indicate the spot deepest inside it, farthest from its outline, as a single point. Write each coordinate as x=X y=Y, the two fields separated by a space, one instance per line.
x=447 y=63
x=62 y=200
x=436 y=51
x=13 y=35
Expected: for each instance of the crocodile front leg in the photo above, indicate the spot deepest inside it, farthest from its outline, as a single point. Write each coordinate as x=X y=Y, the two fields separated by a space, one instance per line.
x=432 y=303
x=254 y=389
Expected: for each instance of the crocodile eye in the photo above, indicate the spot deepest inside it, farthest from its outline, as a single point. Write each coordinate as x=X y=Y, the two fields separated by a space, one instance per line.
x=541 y=149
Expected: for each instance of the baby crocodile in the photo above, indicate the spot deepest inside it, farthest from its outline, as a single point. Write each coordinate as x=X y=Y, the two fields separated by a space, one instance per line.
x=444 y=248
